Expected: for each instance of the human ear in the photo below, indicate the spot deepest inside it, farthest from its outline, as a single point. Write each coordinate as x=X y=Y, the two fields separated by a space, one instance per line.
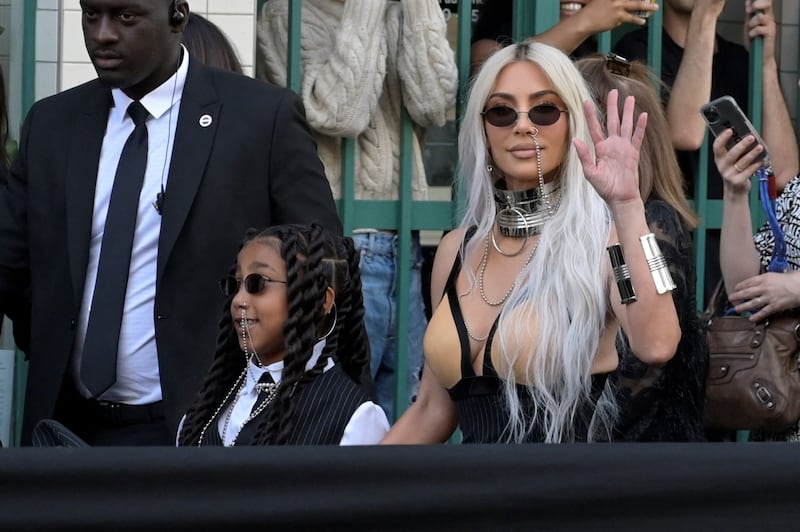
x=330 y=297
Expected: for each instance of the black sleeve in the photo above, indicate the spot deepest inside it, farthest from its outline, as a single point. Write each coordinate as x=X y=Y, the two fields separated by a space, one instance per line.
x=14 y=253
x=665 y=403
x=300 y=191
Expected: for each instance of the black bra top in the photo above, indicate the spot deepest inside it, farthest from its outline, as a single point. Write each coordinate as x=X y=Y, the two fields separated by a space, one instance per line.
x=472 y=384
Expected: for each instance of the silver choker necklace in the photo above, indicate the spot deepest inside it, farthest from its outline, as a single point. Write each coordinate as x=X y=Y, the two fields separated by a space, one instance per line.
x=524 y=212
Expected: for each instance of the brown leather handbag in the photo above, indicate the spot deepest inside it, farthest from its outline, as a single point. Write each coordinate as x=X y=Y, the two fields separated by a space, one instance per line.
x=753 y=379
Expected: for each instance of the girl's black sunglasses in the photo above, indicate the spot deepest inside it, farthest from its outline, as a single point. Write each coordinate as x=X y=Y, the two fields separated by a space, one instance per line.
x=254 y=283
x=544 y=114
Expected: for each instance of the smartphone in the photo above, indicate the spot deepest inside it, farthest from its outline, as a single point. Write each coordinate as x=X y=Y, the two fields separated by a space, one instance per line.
x=723 y=113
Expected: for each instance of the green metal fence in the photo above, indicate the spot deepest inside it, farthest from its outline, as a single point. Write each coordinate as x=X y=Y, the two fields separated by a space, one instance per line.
x=28 y=96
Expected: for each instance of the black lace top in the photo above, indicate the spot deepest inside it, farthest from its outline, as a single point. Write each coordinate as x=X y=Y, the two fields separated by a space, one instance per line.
x=666 y=403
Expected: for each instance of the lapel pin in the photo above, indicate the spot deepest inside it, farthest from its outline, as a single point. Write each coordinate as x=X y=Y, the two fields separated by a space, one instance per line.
x=206 y=120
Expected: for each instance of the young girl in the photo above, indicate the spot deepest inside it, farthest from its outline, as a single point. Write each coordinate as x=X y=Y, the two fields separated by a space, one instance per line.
x=292 y=349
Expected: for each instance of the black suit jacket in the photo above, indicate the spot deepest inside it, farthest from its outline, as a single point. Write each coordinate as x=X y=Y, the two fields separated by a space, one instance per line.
x=255 y=166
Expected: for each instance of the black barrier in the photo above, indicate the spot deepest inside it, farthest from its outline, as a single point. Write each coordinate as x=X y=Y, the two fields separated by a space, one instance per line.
x=719 y=487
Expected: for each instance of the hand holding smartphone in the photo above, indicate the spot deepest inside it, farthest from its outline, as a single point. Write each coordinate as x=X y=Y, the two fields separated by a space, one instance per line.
x=723 y=113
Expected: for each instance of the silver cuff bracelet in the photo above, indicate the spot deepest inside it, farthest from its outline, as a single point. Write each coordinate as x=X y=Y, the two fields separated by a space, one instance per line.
x=657 y=264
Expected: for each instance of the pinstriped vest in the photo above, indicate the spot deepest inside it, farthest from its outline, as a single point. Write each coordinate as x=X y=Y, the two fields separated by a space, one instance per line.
x=323 y=408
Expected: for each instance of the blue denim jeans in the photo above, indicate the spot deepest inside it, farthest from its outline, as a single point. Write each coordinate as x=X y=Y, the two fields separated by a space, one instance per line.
x=378 y=264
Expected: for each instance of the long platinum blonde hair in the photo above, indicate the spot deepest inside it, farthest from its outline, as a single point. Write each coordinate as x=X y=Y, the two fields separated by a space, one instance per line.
x=564 y=288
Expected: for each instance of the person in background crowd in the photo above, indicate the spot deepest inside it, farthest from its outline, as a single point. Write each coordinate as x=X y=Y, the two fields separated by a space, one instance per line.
x=699 y=65
x=573 y=34
x=658 y=402
x=523 y=337
x=21 y=324
x=362 y=62
x=744 y=257
x=209 y=45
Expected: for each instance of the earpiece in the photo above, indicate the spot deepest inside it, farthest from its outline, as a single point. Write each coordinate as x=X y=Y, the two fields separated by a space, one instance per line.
x=175 y=15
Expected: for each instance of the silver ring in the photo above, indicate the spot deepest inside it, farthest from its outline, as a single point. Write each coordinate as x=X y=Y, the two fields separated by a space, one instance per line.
x=737 y=168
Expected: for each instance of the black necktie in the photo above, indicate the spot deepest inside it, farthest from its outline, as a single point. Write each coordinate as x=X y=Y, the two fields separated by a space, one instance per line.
x=266 y=387
x=99 y=358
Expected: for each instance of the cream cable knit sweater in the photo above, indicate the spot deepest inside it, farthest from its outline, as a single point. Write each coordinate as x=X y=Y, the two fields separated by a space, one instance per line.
x=361 y=60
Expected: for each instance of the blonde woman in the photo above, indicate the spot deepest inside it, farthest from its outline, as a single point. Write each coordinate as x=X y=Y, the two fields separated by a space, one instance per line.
x=524 y=333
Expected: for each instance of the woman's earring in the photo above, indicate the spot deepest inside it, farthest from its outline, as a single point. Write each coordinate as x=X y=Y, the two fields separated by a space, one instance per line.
x=333 y=324
x=489 y=168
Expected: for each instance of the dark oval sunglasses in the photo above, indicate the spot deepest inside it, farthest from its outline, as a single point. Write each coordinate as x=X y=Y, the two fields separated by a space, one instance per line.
x=544 y=114
x=254 y=283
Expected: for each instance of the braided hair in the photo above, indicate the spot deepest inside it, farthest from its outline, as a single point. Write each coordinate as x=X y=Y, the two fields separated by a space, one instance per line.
x=315 y=261
x=226 y=367
x=354 y=354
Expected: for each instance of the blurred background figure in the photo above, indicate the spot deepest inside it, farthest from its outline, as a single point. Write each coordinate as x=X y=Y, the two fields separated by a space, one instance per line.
x=699 y=65
x=4 y=158
x=658 y=402
x=209 y=45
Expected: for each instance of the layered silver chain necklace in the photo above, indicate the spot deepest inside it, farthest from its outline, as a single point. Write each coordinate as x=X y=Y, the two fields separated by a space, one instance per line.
x=238 y=388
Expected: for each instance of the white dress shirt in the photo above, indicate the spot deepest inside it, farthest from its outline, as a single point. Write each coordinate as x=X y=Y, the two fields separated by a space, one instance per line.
x=138 y=380
x=367 y=426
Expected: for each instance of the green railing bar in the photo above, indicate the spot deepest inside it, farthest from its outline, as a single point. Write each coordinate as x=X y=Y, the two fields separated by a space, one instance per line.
x=604 y=42
x=293 y=73
x=713 y=213
x=431 y=215
x=20 y=384
x=29 y=56
x=520 y=21
x=347 y=205
x=464 y=64
x=755 y=113
x=703 y=206
x=403 y=270
x=542 y=15
x=654 y=27
x=463 y=55
x=28 y=98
